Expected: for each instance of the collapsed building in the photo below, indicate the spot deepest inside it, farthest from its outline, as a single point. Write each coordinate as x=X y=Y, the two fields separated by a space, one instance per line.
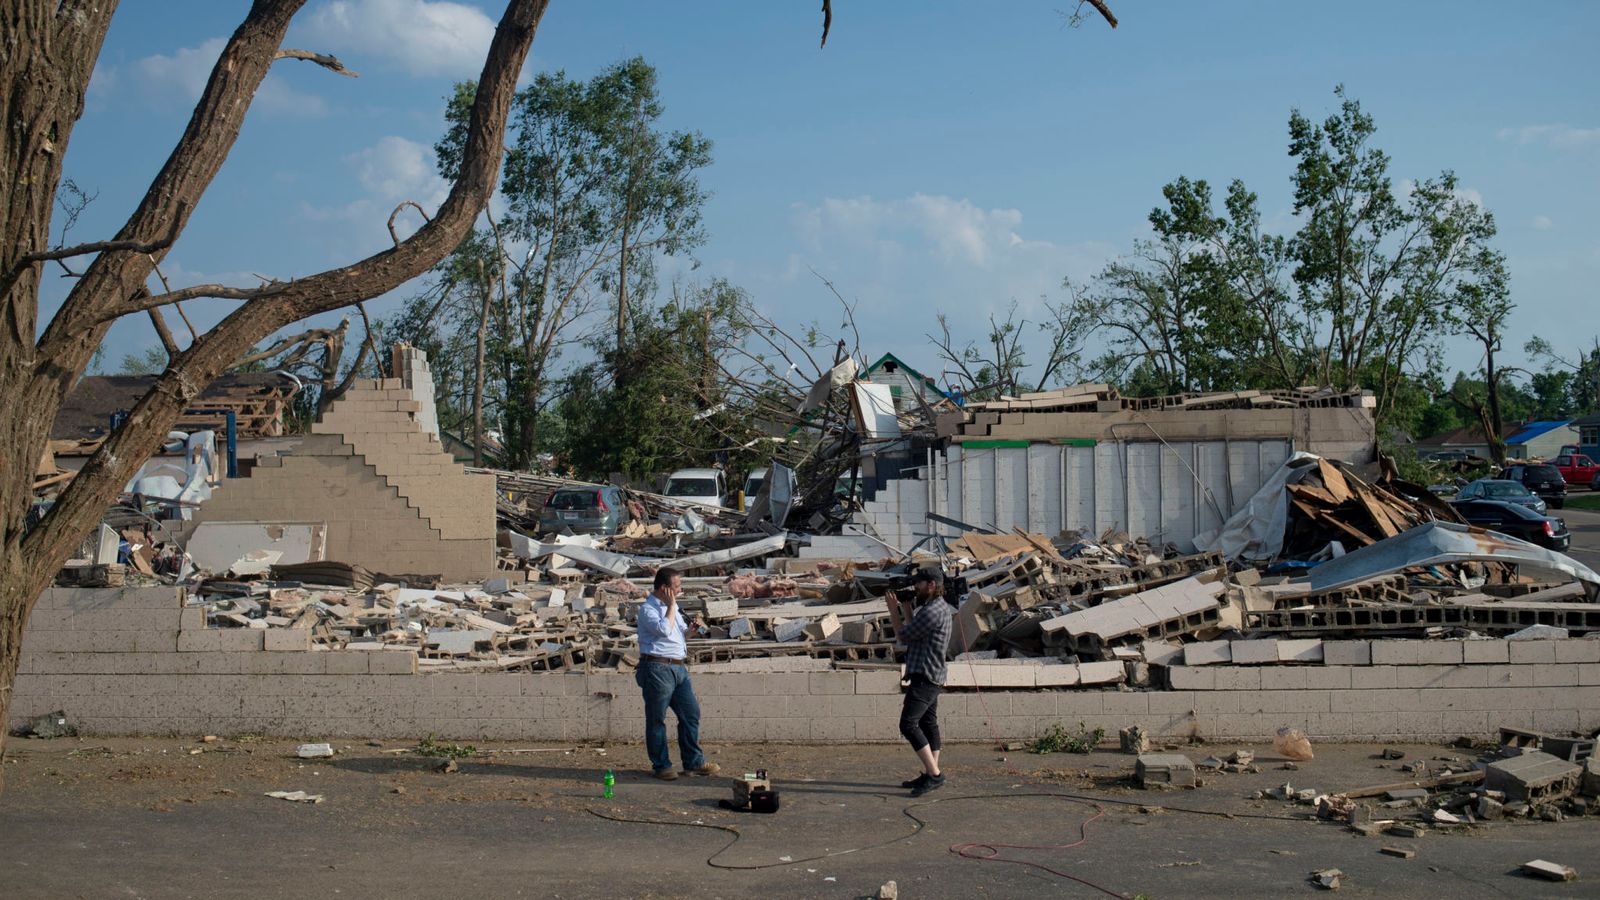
x=1197 y=566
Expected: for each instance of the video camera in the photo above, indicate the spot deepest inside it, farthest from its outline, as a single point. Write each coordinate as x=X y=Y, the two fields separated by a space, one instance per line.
x=955 y=586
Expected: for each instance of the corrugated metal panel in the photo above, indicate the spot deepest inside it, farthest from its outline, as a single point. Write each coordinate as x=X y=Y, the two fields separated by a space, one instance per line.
x=1164 y=491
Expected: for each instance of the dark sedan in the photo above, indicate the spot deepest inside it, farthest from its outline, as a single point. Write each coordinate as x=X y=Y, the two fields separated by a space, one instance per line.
x=1501 y=489
x=1516 y=520
x=1541 y=479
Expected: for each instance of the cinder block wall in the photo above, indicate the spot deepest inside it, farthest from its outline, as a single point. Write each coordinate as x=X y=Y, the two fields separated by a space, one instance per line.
x=136 y=661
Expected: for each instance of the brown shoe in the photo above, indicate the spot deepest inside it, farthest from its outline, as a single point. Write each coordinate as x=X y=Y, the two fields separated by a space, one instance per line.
x=666 y=775
x=709 y=768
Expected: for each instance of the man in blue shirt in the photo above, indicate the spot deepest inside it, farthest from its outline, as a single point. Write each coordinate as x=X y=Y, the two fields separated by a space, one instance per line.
x=663 y=674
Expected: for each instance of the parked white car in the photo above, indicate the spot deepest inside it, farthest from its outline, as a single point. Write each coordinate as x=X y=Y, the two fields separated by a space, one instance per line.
x=702 y=487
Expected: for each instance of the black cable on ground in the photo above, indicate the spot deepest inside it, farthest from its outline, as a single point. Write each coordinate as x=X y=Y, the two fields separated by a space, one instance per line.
x=973 y=850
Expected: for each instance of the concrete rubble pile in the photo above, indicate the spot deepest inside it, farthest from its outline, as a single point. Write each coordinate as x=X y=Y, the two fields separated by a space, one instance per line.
x=1525 y=775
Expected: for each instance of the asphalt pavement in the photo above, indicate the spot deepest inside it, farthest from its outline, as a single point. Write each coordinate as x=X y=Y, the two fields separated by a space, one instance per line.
x=1585 y=528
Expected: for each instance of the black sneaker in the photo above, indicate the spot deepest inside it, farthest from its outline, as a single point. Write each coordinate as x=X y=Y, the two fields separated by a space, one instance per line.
x=915 y=782
x=932 y=782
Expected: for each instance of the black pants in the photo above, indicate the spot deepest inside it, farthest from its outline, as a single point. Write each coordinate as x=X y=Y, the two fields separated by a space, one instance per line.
x=919 y=717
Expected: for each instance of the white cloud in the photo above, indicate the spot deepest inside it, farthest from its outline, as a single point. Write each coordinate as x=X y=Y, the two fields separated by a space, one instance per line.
x=390 y=171
x=424 y=38
x=179 y=78
x=1560 y=136
x=903 y=261
x=956 y=231
x=1543 y=223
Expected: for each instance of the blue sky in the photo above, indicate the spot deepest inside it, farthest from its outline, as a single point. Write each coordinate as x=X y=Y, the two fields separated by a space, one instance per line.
x=936 y=156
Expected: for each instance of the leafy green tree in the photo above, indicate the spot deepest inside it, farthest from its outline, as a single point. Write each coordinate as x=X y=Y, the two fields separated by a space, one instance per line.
x=1381 y=273
x=595 y=191
x=151 y=362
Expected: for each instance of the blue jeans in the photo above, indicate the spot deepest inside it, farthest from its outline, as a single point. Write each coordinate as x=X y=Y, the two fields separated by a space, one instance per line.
x=667 y=687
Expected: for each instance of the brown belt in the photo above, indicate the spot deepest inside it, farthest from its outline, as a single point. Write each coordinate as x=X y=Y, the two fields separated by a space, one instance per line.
x=661 y=659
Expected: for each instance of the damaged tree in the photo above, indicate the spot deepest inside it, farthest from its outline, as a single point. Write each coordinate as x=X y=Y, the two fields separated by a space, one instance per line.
x=46 y=63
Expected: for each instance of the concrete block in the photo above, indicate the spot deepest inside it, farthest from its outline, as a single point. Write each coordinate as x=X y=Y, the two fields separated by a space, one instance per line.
x=1555 y=675
x=1490 y=652
x=1243 y=653
x=287 y=639
x=1368 y=677
x=1531 y=652
x=1347 y=653
x=1048 y=676
x=1416 y=653
x=877 y=682
x=831 y=682
x=1206 y=653
x=1164 y=769
x=1577 y=651
x=1161 y=653
x=1100 y=672
x=1307 y=650
x=1240 y=678
x=1190 y=678
x=392 y=662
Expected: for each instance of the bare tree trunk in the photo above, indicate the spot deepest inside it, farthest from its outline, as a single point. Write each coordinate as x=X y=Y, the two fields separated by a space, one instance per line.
x=45 y=62
x=622 y=289
x=477 y=383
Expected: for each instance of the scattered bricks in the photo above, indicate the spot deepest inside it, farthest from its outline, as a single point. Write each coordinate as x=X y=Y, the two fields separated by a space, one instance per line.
x=1399 y=852
x=1490 y=809
x=1493 y=652
x=738 y=628
x=1327 y=879
x=221 y=639
x=791 y=630
x=860 y=632
x=1205 y=653
x=1366 y=829
x=823 y=628
x=1245 y=653
x=1416 y=653
x=1550 y=871
x=1164 y=769
x=287 y=639
x=722 y=609
x=1308 y=650
x=1347 y=653
x=1407 y=831
x=1134 y=740
x=1534 y=775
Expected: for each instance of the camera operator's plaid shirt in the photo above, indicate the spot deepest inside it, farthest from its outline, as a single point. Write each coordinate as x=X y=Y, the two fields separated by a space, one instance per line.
x=926 y=637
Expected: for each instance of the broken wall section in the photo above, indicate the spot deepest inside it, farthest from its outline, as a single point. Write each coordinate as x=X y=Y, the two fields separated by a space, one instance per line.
x=375 y=474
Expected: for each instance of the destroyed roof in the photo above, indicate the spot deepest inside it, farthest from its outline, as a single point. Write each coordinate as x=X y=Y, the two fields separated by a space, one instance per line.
x=87 y=411
x=1466 y=434
x=888 y=362
x=1532 y=430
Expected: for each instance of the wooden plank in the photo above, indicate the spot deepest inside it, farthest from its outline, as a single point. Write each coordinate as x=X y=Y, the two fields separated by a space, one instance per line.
x=1324 y=518
x=1380 y=516
x=1333 y=480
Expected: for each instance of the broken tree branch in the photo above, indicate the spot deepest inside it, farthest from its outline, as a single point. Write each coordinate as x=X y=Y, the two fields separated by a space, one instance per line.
x=325 y=60
x=403 y=204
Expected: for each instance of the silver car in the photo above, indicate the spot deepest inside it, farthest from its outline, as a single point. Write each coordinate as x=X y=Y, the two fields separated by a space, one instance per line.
x=584 y=510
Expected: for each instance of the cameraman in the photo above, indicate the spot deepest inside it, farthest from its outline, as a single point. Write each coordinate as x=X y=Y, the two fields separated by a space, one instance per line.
x=926 y=635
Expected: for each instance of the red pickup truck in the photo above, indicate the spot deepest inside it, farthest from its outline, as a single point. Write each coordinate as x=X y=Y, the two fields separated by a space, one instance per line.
x=1578 y=469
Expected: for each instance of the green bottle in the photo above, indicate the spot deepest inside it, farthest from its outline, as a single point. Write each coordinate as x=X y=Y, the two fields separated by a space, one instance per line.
x=611 y=783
